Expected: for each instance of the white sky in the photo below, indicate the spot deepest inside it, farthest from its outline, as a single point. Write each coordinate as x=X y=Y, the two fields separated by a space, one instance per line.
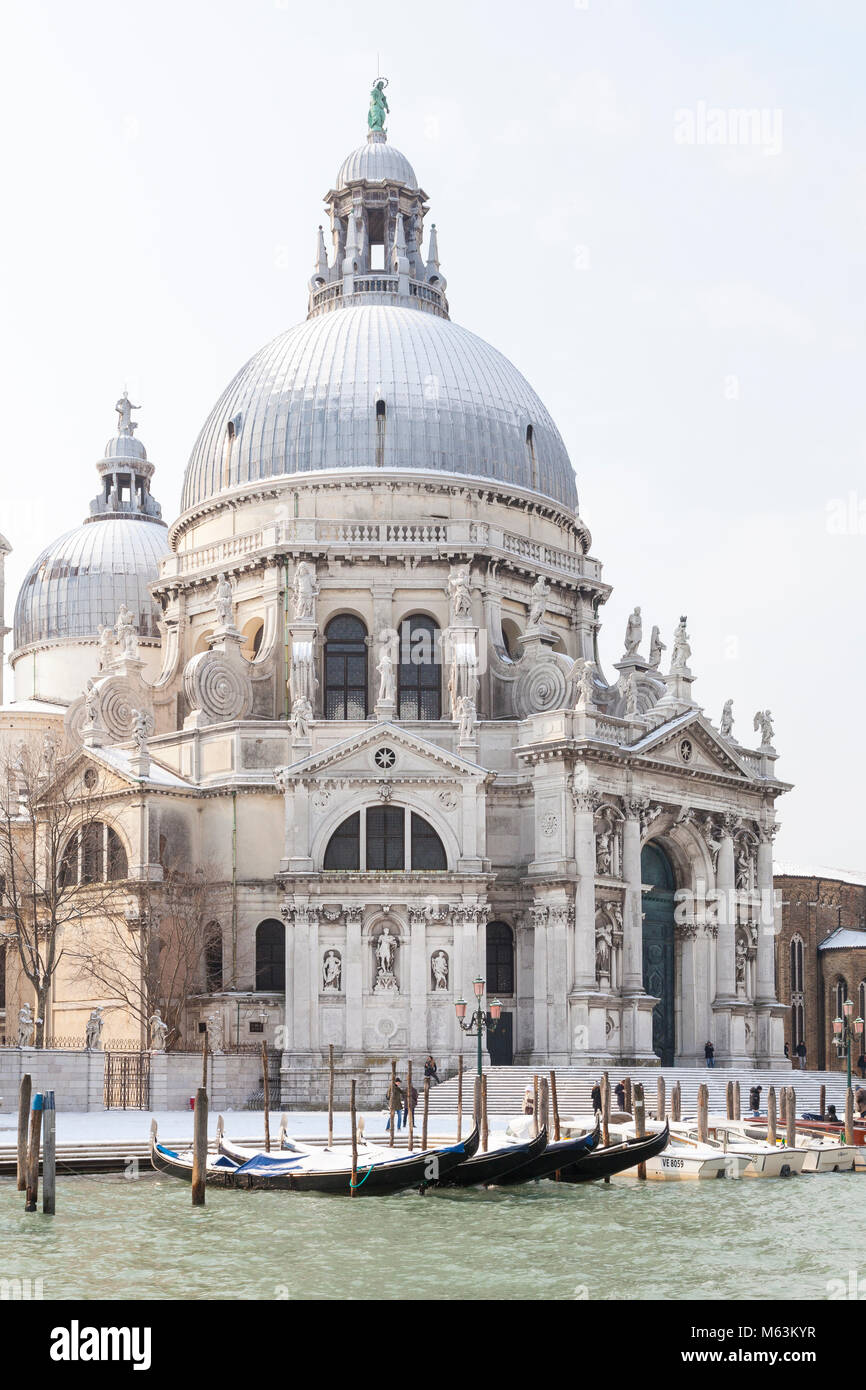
x=692 y=314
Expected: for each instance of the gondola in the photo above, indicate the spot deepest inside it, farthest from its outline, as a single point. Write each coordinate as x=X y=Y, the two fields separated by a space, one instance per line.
x=308 y=1172
x=491 y=1166
x=603 y=1163
x=556 y=1156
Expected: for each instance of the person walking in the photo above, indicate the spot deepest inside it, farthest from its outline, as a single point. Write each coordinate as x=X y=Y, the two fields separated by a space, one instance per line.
x=595 y=1098
x=619 y=1092
x=397 y=1098
x=801 y=1053
x=430 y=1070
x=755 y=1099
x=710 y=1054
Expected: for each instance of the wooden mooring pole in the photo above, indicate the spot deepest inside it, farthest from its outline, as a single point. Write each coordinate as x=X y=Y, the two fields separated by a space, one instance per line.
x=783 y=1104
x=391 y=1098
x=627 y=1087
x=426 y=1112
x=484 y=1127
x=791 y=1116
x=849 y=1115
x=605 y=1110
x=49 y=1155
x=199 y=1148
x=32 y=1192
x=24 y=1093
x=822 y=1101
x=410 y=1113
x=703 y=1111
x=353 y=1192
x=204 y=1060
x=554 y=1100
x=267 y=1095
x=729 y=1100
x=330 y=1095
x=459 y=1098
x=535 y=1129
x=676 y=1102
x=639 y=1123
x=660 y=1097
x=544 y=1101
x=738 y=1112
x=771 y=1115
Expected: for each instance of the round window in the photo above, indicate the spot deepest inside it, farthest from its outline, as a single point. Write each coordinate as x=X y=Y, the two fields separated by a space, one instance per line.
x=91 y=777
x=686 y=750
x=385 y=758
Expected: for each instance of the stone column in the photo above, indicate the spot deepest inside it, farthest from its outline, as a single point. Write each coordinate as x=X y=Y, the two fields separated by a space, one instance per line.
x=287 y=912
x=539 y=978
x=315 y=977
x=354 y=979
x=417 y=980
x=632 y=925
x=301 y=981
x=558 y=925
x=585 y=803
x=766 y=983
x=726 y=976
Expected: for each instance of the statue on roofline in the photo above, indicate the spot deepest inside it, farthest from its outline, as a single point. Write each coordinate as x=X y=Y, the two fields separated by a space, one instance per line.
x=378 y=105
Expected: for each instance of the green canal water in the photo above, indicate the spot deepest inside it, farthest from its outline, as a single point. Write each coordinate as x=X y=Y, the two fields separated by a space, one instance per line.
x=119 y=1238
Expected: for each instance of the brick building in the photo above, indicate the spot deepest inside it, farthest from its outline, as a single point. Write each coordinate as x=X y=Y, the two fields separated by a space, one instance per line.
x=820 y=956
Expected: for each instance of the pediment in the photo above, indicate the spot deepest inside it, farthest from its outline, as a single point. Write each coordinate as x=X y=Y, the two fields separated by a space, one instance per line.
x=356 y=757
x=691 y=744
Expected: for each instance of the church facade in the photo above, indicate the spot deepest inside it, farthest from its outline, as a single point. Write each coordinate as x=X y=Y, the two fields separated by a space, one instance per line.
x=358 y=682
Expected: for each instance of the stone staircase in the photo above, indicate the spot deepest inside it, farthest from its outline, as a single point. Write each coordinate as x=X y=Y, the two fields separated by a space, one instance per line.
x=505 y=1087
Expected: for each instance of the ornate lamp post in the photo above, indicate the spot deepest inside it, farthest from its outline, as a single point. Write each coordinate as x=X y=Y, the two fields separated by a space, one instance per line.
x=478 y=1020
x=845 y=1032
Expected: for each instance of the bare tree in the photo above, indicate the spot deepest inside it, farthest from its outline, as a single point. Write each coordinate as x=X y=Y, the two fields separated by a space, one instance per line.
x=154 y=953
x=58 y=859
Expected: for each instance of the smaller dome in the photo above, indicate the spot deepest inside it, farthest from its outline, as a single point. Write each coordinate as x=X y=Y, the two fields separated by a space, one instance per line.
x=127 y=448
x=376 y=162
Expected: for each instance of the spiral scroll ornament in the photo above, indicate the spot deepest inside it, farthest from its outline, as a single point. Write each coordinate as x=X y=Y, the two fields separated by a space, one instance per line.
x=540 y=688
x=118 y=699
x=217 y=687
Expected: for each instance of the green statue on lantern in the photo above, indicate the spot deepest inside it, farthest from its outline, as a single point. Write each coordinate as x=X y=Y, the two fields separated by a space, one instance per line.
x=378 y=105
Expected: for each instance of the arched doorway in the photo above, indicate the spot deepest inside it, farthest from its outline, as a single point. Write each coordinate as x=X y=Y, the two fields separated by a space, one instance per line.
x=658 y=947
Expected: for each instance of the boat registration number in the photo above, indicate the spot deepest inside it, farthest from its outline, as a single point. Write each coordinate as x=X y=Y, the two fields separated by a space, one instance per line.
x=672 y=1163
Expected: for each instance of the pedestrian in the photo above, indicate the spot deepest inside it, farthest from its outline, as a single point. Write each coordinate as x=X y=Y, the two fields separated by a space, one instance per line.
x=861 y=1066
x=755 y=1099
x=710 y=1054
x=860 y=1101
x=431 y=1071
x=619 y=1092
x=396 y=1098
x=528 y=1101
x=832 y=1117
x=595 y=1098
x=787 y=1052
x=801 y=1053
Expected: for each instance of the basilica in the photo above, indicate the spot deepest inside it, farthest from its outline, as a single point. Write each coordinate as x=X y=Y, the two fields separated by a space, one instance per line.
x=357 y=684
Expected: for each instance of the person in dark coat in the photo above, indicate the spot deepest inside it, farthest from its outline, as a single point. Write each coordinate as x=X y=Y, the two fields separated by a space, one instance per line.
x=431 y=1070
x=755 y=1099
x=396 y=1097
x=801 y=1053
x=619 y=1092
x=595 y=1098
x=861 y=1066
x=710 y=1054
x=860 y=1101
x=832 y=1118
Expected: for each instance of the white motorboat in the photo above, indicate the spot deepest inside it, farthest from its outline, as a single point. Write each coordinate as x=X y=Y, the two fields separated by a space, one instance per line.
x=687 y=1158
x=765 y=1160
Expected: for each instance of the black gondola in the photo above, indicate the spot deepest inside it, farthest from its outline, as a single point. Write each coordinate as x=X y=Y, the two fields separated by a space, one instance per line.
x=556 y=1156
x=284 y=1172
x=486 y=1168
x=603 y=1163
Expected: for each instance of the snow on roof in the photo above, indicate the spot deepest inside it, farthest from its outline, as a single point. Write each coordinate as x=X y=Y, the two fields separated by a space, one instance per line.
x=119 y=758
x=843 y=938
x=781 y=870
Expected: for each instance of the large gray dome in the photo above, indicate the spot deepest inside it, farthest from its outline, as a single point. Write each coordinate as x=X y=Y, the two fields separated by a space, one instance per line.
x=376 y=162
x=308 y=402
x=80 y=581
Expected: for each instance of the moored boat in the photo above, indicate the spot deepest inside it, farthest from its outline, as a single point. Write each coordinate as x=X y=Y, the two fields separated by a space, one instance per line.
x=616 y=1158
x=559 y=1154
x=491 y=1165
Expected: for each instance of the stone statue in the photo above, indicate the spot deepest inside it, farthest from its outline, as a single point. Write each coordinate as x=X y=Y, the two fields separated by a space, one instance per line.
x=603 y=944
x=466 y=716
x=332 y=971
x=439 y=964
x=93 y=1032
x=744 y=867
x=224 y=602
x=604 y=848
x=378 y=105
x=304 y=589
x=106 y=646
x=301 y=717
x=538 y=604
x=458 y=587
x=631 y=696
x=125 y=631
x=633 y=633
x=214 y=1025
x=741 y=965
x=386 y=958
x=387 y=685
x=124 y=409
x=158 y=1031
x=26 y=1026
x=91 y=704
x=682 y=650
x=140 y=730
x=585 y=686
x=726 y=726
x=657 y=646
x=764 y=722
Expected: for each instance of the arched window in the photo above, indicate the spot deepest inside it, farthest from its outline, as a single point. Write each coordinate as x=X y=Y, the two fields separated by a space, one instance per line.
x=376 y=840
x=419 y=682
x=838 y=995
x=798 y=1012
x=271 y=956
x=796 y=964
x=345 y=668
x=94 y=854
x=213 y=958
x=500 y=958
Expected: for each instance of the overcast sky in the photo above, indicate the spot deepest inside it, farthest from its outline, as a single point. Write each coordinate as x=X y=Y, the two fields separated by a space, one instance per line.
x=690 y=311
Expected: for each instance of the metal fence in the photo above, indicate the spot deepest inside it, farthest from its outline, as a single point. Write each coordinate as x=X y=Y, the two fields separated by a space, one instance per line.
x=127 y=1081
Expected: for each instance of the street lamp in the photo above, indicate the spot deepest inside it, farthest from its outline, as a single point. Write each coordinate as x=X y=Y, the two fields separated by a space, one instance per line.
x=478 y=1020
x=845 y=1032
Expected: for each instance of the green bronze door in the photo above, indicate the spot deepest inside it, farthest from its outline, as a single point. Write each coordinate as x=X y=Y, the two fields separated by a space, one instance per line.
x=658 y=947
